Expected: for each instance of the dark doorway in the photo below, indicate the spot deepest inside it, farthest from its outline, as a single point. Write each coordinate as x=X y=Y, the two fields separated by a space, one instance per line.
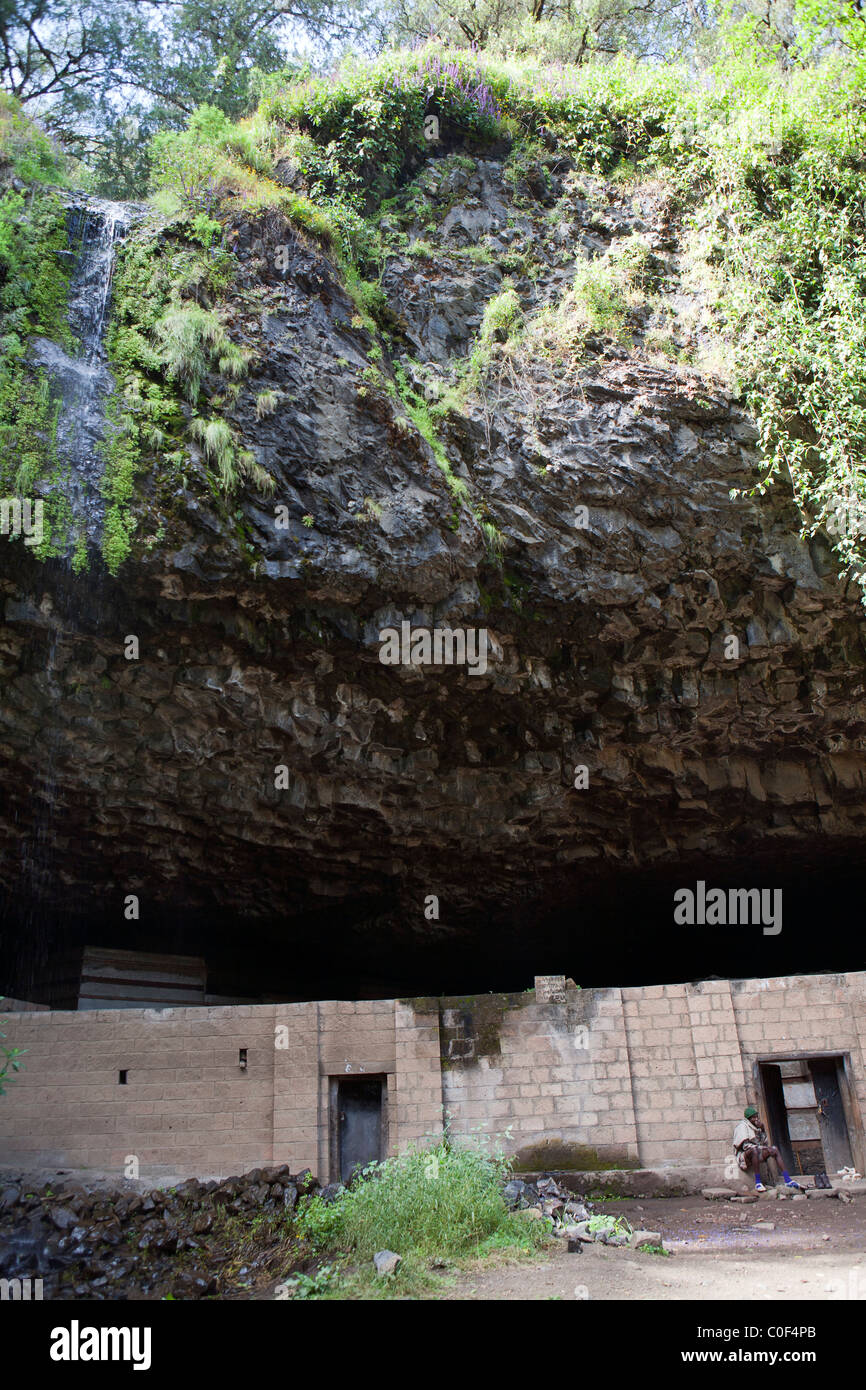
x=806 y=1114
x=835 y=1139
x=360 y=1123
x=777 y=1114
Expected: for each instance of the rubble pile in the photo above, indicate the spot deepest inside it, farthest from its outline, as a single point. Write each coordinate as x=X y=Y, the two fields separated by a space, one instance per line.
x=573 y=1218
x=185 y=1242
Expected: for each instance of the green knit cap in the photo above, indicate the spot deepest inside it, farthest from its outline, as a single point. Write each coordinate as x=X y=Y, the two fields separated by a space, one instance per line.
x=749 y=1111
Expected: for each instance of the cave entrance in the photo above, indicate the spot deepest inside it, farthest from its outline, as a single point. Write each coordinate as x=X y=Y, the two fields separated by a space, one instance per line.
x=809 y=1105
x=357 y=1124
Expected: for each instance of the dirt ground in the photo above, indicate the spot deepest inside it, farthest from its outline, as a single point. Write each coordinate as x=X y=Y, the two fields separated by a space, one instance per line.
x=816 y=1252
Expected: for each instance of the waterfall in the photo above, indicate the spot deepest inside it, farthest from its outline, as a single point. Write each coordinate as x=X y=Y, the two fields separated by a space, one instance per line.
x=81 y=382
x=81 y=379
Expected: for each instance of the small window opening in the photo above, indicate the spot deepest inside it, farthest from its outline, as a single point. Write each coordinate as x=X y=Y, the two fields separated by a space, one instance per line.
x=121 y=1078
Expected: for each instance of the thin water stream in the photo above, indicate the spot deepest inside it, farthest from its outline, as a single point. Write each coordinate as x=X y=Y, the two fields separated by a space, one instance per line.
x=81 y=381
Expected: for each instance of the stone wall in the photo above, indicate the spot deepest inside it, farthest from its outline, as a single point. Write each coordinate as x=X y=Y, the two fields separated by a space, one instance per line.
x=555 y=1077
x=600 y=1079
x=188 y=1106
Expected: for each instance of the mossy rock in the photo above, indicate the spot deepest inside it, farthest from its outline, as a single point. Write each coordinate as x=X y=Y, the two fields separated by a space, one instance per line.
x=558 y=1155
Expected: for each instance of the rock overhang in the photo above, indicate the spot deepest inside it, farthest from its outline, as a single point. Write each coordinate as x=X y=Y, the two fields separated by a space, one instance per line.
x=626 y=567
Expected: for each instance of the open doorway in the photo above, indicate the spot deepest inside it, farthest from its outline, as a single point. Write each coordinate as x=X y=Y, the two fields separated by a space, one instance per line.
x=808 y=1111
x=358 y=1123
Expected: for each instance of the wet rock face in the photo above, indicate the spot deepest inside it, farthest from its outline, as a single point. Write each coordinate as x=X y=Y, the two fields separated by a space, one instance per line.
x=79 y=378
x=626 y=569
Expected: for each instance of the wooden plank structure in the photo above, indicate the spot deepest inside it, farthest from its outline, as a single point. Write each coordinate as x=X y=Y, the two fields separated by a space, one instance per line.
x=133 y=980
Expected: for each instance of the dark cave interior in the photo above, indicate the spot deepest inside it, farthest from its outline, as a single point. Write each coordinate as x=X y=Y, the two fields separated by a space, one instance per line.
x=614 y=929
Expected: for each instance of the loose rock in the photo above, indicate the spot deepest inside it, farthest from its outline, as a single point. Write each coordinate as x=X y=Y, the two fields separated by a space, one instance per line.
x=641 y=1238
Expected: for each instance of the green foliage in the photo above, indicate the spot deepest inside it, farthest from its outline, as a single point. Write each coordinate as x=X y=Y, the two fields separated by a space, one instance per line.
x=71 y=58
x=766 y=166
x=440 y=1201
x=349 y=141
x=190 y=166
x=612 y=1225
x=219 y=447
x=596 y=302
x=205 y=229
x=320 y=1224
x=27 y=428
x=190 y=342
x=34 y=280
x=559 y=31
x=162 y=348
x=526 y=159
x=34 y=286
x=369 y=299
x=793 y=263
x=501 y=315
x=371 y=510
x=26 y=151
x=303 y=1286
x=232 y=462
x=266 y=403
x=419 y=413
x=364 y=127
x=635 y=262
x=9 y=1056
x=79 y=554
x=144 y=414
x=208 y=122
x=492 y=540
x=121 y=453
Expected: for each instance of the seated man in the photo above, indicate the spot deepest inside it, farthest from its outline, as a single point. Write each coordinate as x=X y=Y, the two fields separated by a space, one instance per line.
x=751 y=1148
